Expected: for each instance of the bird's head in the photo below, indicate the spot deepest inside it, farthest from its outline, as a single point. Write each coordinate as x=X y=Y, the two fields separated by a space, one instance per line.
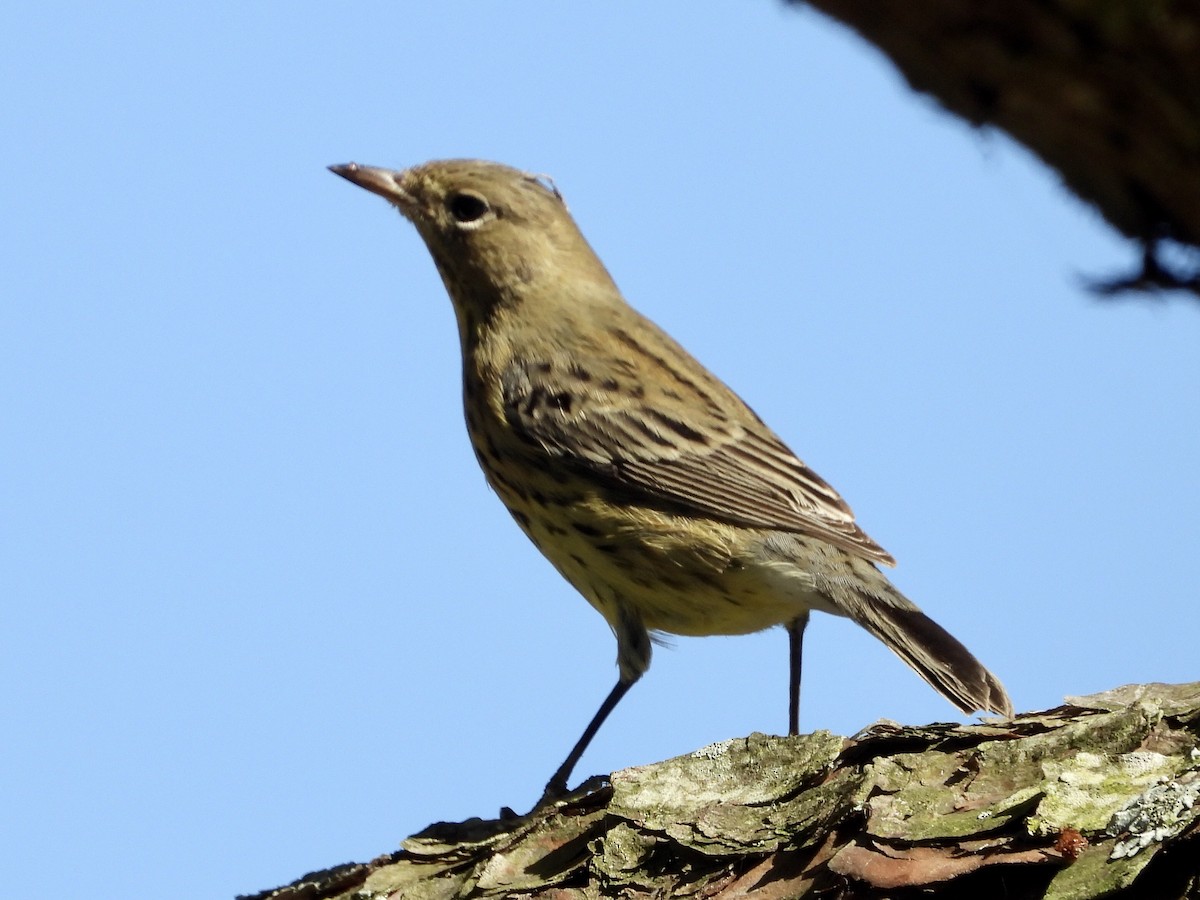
x=497 y=234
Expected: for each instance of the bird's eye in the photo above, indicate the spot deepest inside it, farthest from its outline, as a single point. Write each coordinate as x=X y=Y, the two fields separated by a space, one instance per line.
x=467 y=208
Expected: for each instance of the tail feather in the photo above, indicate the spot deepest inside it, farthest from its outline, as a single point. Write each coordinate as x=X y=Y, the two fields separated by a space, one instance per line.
x=937 y=656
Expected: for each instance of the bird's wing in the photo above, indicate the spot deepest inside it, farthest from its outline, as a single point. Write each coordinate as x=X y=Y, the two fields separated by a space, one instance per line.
x=684 y=457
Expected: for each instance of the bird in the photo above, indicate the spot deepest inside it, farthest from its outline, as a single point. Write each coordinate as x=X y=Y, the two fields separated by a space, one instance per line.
x=649 y=484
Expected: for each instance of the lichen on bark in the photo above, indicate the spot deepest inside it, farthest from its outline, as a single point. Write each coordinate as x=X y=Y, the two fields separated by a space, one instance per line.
x=1094 y=797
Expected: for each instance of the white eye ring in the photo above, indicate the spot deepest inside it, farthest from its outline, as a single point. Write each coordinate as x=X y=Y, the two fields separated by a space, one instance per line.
x=468 y=209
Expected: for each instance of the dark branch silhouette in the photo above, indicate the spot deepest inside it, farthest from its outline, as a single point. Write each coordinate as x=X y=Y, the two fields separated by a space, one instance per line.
x=1107 y=94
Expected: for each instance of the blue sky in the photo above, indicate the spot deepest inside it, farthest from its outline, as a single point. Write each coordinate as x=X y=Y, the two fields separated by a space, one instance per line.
x=261 y=614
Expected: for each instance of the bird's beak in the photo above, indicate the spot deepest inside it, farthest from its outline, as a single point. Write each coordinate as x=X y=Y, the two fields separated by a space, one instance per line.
x=384 y=182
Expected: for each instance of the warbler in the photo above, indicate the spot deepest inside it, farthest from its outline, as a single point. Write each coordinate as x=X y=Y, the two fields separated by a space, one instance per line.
x=650 y=485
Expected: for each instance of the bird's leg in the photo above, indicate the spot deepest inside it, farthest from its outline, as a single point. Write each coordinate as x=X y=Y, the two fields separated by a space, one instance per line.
x=795 y=629
x=557 y=785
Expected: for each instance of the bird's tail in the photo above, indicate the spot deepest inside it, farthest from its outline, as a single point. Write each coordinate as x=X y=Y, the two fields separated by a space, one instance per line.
x=935 y=655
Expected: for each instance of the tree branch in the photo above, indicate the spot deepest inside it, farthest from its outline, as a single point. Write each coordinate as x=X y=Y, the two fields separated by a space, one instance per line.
x=1106 y=93
x=1096 y=797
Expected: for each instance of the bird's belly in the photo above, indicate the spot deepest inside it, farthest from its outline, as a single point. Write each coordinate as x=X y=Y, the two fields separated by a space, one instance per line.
x=681 y=575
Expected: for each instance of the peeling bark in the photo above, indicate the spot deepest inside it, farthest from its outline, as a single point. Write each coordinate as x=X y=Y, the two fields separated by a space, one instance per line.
x=1097 y=798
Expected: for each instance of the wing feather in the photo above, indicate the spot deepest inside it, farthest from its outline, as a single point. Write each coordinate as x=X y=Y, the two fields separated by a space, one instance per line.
x=684 y=458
